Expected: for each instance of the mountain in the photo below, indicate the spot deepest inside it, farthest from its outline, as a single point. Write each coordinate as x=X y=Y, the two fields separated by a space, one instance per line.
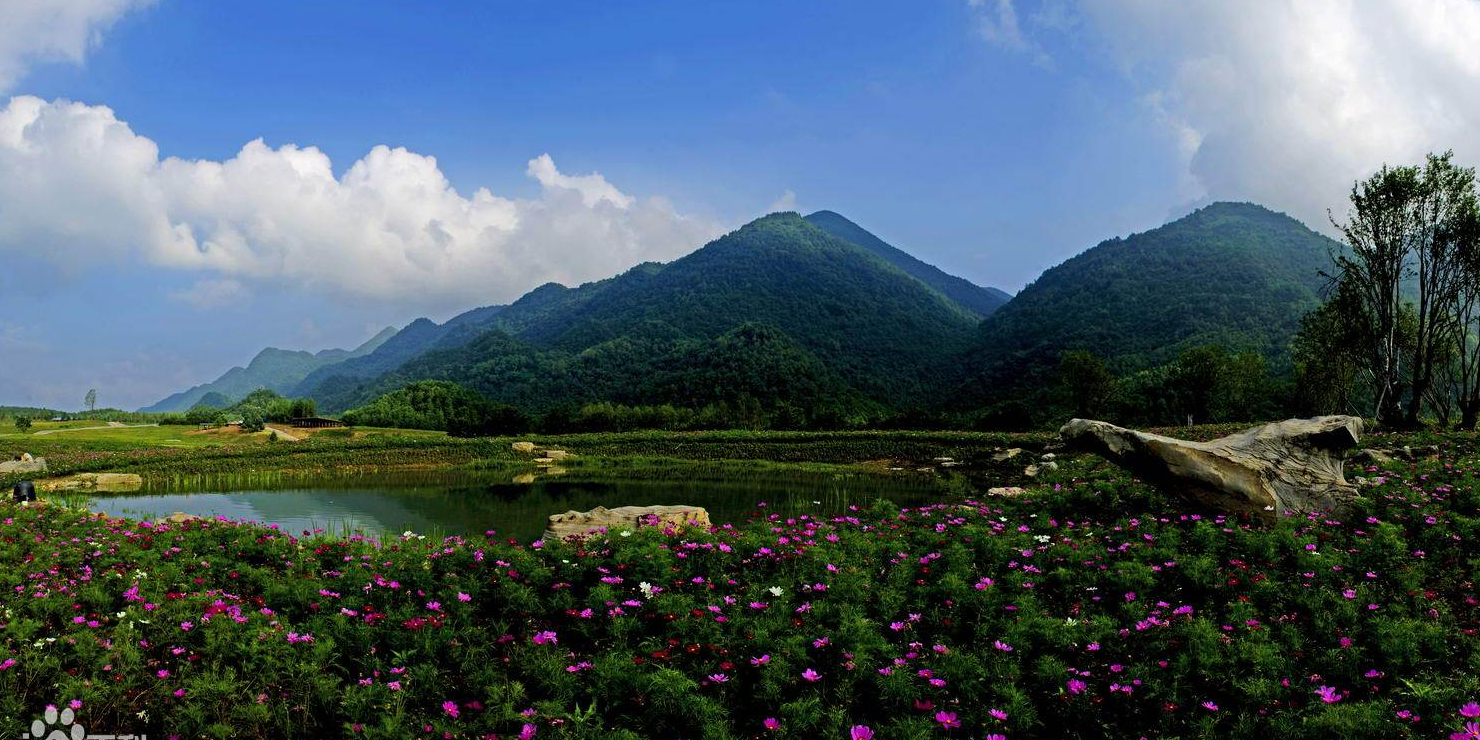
x=1233 y=274
x=415 y=338
x=778 y=309
x=980 y=300
x=275 y=369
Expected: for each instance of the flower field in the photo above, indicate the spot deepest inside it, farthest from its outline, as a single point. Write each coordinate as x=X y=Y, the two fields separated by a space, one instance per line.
x=1093 y=607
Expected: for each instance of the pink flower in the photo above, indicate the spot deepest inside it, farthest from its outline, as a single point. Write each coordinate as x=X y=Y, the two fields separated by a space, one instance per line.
x=162 y=673
x=8 y=664
x=1000 y=645
x=758 y=662
x=997 y=713
x=860 y=732
x=75 y=704
x=463 y=597
x=718 y=677
x=1328 y=694
x=1077 y=686
x=540 y=638
x=770 y=723
x=528 y=731
x=998 y=735
x=434 y=606
x=811 y=675
x=1210 y=706
x=1470 y=710
x=186 y=626
x=1471 y=731
x=947 y=720
x=450 y=707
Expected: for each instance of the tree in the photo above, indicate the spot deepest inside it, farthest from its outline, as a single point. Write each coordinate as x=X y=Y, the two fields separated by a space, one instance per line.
x=1196 y=379
x=1328 y=356
x=91 y=400
x=1407 y=223
x=1086 y=382
x=22 y=423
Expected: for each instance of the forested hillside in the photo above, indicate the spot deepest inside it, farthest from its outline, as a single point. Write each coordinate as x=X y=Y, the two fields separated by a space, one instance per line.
x=1234 y=275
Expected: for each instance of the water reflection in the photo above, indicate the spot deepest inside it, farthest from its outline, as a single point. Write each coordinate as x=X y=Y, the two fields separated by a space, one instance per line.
x=472 y=503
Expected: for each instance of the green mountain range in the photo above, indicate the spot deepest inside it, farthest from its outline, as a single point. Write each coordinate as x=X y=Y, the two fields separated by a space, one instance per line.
x=822 y=320
x=275 y=369
x=827 y=319
x=1232 y=274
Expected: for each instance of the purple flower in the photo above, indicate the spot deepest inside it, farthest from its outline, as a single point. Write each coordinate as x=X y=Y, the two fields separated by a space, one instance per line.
x=947 y=720
x=1328 y=694
x=450 y=707
x=1077 y=686
x=1470 y=710
x=811 y=675
x=540 y=638
x=860 y=732
x=770 y=723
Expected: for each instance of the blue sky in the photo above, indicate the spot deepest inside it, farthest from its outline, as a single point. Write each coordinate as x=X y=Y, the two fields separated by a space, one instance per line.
x=991 y=138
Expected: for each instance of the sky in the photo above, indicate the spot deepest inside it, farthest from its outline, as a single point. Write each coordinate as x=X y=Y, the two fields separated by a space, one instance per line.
x=184 y=183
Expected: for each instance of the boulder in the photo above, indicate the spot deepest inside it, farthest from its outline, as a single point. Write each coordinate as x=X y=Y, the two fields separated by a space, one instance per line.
x=96 y=482
x=26 y=464
x=523 y=447
x=577 y=523
x=1291 y=466
x=178 y=517
x=1007 y=454
x=556 y=454
x=1005 y=491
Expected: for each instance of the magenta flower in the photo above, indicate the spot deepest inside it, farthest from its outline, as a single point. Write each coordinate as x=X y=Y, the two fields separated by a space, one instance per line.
x=1328 y=694
x=1210 y=706
x=770 y=723
x=860 y=732
x=1471 y=732
x=1077 y=686
x=450 y=707
x=947 y=720
x=541 y=638
x=758 y=662
x=1470 y=710
x=1000 y=645
x=718 y=677
x=997 y=713
x=528 y=731
x=463 y=597
x=811 y=675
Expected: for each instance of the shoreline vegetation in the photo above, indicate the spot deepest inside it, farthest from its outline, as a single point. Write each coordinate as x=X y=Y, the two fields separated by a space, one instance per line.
x=1090 y=606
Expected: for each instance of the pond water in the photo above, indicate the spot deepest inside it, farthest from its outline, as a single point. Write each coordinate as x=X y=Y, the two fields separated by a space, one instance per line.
x=473 y=503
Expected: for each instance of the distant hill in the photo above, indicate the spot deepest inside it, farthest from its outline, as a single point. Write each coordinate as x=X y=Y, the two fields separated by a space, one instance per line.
x=980 y=300
x=1233 y=274
x=275 y=369
x=419 y=336
x=779 y=307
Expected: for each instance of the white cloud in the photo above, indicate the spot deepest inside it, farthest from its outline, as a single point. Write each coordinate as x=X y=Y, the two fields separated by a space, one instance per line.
x=81 y=187
x=997 y=20
x=209 y=294
x=1287 y=102
x=787 y=202
x=34 y=31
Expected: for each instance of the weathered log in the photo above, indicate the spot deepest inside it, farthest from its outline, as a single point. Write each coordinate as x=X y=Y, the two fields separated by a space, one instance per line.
x=1288 y=467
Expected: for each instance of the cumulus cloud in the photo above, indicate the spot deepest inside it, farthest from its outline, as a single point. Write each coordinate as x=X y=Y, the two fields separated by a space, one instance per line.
x=787 y=202
x=81 y=186
x=997 y=20
x=33 y=31
x=1287 y=102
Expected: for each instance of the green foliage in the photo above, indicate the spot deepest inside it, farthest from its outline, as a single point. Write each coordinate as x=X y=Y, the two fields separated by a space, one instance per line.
x=441 y=405
x=1091 y=607
x=22 y=423
x=1086 y=382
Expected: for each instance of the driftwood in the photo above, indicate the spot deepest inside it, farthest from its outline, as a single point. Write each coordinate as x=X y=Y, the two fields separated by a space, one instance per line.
x=1288 y=467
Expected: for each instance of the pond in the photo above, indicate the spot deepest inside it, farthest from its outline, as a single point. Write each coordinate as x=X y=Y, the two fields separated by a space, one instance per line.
x=441 y=503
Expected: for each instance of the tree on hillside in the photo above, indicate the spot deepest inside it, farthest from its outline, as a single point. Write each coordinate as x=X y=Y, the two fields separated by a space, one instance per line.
x=1329 y=356
x=1466 y=368
x=1086 y=382
x=22 y=423
x=91 y=401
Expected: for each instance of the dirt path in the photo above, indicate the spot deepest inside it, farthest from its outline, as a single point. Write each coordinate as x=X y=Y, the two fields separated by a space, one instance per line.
x=282 y=434
x=109 y=425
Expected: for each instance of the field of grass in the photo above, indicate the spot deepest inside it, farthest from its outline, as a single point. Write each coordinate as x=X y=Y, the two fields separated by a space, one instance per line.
x=1091 y=607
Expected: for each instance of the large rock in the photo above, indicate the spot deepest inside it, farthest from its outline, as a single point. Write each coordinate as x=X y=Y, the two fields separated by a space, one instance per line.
x=623 y=517
x=523 y=447
x=1290 y=466
x=94 y=482
x=26 y=464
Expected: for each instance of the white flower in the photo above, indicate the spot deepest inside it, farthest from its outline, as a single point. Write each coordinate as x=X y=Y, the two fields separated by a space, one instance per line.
x=775 y=590
x=626 y=533
x=646 y=589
